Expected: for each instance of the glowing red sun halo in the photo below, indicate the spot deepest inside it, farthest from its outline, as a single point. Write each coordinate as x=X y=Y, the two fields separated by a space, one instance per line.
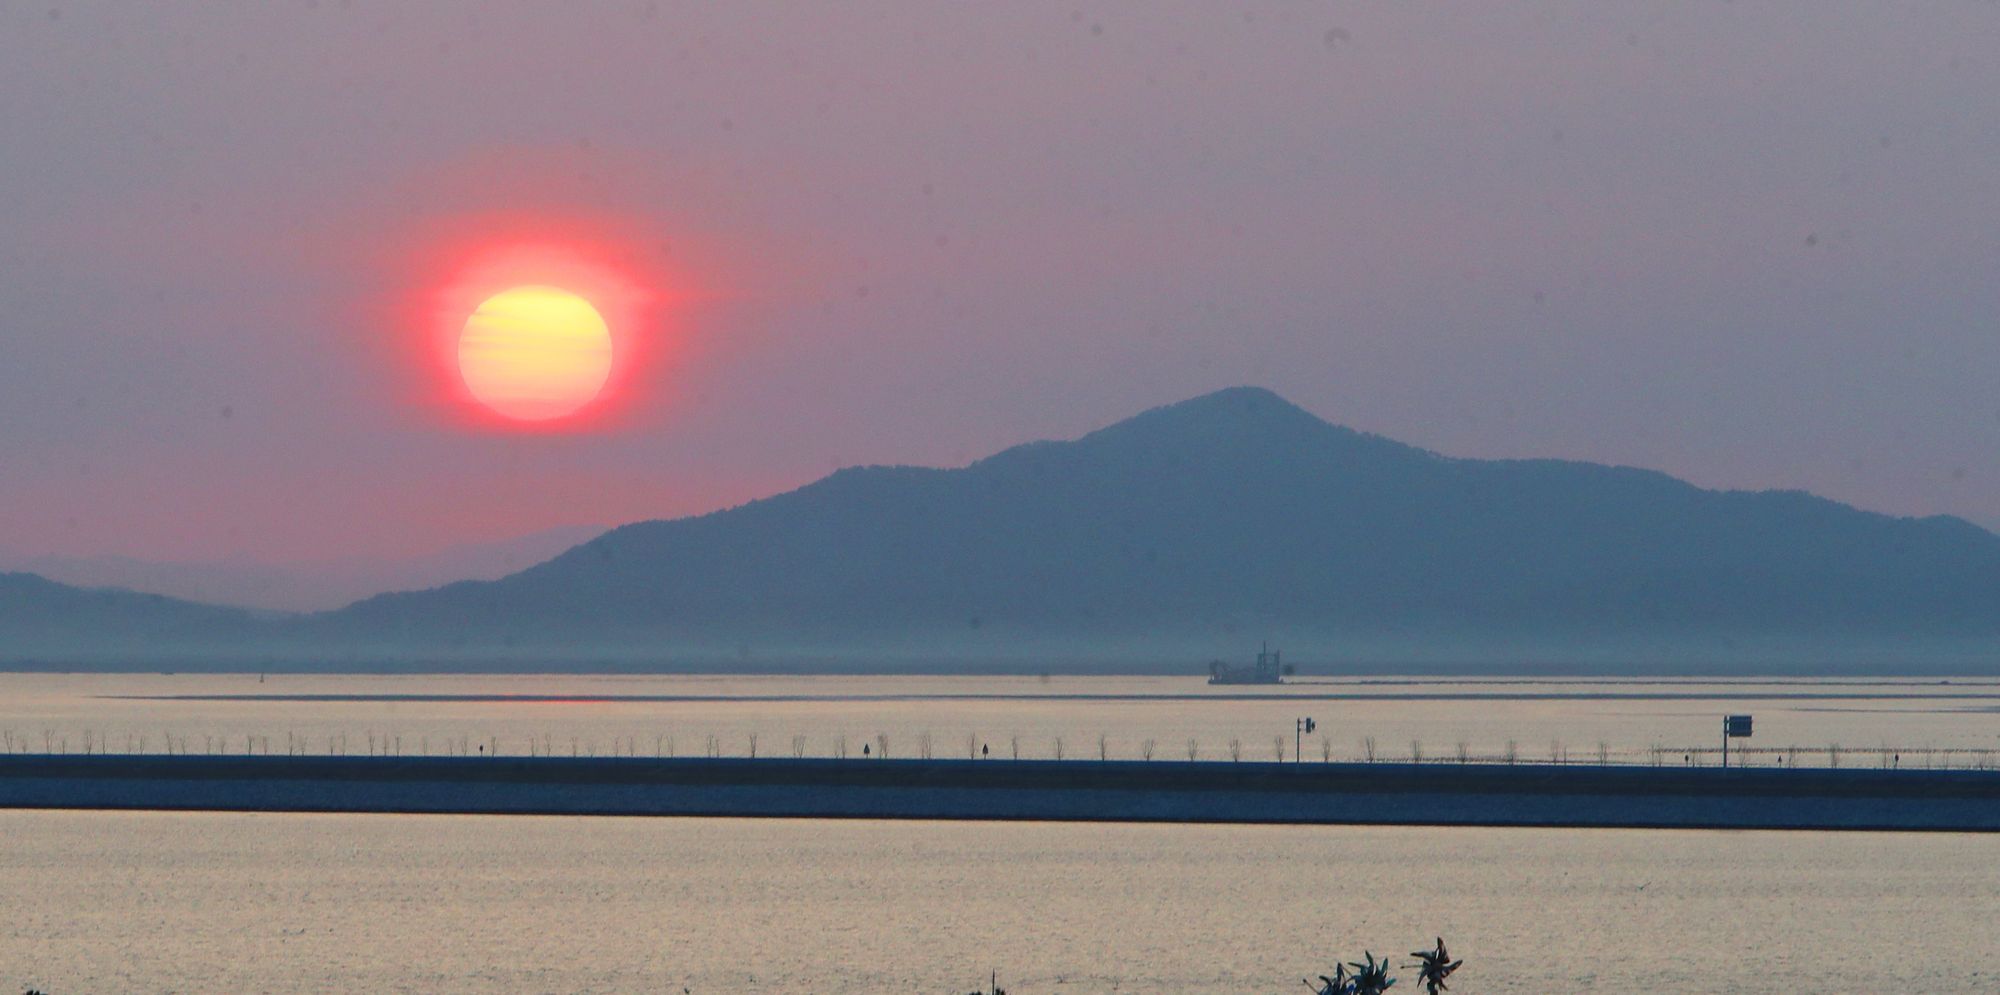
x=591 y=271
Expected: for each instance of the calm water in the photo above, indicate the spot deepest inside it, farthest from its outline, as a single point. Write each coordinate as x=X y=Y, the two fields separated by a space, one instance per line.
x=152 y=902
x=109 y=902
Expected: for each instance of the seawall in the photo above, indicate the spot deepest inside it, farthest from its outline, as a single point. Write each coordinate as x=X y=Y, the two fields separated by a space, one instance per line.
x=1115 y=791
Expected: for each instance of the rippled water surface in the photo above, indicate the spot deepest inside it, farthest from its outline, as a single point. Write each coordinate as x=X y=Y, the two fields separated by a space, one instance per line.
x=125 y=902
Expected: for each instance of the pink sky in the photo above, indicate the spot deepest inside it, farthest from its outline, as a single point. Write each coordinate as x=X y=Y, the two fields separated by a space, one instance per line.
x=1751 y=245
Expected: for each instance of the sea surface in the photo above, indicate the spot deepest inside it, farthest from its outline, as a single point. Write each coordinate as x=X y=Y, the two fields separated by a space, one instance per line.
x=215 y=902
x=158 y=902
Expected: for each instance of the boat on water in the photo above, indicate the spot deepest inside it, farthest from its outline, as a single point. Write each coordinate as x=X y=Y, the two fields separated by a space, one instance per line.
x=1268 y=669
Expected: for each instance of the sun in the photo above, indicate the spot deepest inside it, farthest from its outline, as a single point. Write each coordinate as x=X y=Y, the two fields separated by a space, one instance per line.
x=535 y=353
x=538 y=326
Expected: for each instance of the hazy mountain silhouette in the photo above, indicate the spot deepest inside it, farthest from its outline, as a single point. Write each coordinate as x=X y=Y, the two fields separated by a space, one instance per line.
x=304 y=586
x=1189 y=529
x=1233 y=513
x=41 y=618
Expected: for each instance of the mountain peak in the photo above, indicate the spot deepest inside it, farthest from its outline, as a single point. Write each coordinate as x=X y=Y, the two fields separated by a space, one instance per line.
x=1244 y=420
x=1244 y=402
x=1230 y=411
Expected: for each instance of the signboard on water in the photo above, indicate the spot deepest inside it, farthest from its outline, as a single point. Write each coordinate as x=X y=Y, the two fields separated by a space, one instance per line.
x=1736 y=726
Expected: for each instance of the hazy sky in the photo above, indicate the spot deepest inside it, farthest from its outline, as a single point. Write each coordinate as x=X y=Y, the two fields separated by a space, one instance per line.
x=1754 y=244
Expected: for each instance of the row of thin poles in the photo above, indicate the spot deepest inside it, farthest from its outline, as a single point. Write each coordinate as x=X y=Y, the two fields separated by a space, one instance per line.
x=973 y=747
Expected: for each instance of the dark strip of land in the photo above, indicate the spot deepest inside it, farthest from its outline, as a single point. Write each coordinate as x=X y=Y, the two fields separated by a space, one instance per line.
x=1115 y=791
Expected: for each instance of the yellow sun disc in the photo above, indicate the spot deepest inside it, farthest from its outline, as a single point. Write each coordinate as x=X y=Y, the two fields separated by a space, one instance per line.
x=534 y=353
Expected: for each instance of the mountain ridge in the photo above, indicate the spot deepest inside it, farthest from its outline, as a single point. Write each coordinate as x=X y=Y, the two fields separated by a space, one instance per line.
x=1190 y=527
x=872 y=527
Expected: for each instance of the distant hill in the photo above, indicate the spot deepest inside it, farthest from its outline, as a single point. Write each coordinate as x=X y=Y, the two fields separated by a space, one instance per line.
x=41 y=619
x=309 y=586
x=1204 y=525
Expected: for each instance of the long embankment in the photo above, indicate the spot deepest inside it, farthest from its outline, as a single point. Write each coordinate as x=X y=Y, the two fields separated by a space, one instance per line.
x=1116 y=791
